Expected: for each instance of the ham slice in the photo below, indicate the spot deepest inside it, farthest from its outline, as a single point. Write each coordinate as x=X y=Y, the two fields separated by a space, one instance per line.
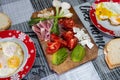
x=42 y=29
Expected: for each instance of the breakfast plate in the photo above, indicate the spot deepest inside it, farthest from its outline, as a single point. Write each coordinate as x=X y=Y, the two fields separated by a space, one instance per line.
x=28 y=48
x=104 y=25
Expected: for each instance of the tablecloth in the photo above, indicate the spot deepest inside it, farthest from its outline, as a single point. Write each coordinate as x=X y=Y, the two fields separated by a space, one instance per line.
x=20 y=12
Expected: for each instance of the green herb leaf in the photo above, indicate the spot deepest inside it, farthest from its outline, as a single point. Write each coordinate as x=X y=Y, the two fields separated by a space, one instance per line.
x=35 y=20
x=55 y=28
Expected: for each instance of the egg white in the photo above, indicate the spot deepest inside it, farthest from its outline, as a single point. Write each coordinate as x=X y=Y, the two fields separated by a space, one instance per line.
x=106 y=10
x=112 y=6
x=115 y=20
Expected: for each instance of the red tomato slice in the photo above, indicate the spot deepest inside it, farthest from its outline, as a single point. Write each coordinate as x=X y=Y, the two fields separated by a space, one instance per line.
x=52 y=47
x=72 y=43
x=63 y=43
x=54 y=37
x=68 y=35
x=67 y=23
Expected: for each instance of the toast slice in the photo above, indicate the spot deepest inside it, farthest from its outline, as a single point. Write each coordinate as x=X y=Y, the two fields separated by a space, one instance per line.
x=112 y=53
x=5 y=21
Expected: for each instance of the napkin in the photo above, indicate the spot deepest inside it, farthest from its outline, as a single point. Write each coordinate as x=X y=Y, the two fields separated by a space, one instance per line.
x=83 y=72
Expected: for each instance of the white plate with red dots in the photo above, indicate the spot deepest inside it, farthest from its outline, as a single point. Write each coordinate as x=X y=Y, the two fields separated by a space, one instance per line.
x=105 y=25
x=29 y=51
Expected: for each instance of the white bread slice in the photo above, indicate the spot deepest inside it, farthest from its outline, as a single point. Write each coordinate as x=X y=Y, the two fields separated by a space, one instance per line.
x=5 y=21
x=112 y=53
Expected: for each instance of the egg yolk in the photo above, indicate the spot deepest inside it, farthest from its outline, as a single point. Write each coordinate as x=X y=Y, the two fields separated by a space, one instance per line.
x=102 y=11
x=0 y=65
x=13 y=62
x=118 y=19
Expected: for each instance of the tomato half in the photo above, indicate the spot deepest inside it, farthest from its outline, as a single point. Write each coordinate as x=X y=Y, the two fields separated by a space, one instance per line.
x=54 y=37
x=52 y=47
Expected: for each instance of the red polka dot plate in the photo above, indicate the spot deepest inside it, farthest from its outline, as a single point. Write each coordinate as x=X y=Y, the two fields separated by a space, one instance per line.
x=28 y=48
x=105 y=25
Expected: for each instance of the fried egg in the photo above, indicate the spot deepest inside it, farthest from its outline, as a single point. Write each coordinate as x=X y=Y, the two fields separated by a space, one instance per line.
x=106 y=10
x=115 y=20
x=11 y=58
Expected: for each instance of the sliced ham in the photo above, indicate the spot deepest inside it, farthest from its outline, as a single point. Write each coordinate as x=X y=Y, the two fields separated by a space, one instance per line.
x=42 y=29
x=36 y=29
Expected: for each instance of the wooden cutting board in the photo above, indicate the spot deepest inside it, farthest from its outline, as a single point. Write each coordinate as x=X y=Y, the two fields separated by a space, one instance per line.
x=68 y=64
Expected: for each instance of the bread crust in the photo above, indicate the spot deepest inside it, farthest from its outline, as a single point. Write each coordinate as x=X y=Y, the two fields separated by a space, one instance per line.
x=7 y=26
x=110 y=65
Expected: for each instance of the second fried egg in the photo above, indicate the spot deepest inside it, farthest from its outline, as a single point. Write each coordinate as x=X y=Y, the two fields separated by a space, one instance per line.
x=106 y=10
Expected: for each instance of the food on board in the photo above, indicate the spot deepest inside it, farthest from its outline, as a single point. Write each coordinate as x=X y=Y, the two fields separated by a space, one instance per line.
x=59 y=56
x=78 y=53
x=60 y=32
x=42 y=29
